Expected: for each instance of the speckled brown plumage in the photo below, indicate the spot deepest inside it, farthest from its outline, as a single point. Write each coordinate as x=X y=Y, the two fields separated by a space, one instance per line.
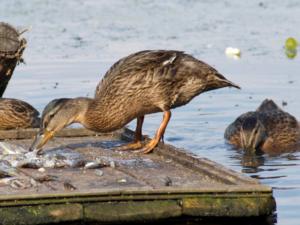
x=141 y=83
x=15 y=113
x=282 y=129
x=148 y=82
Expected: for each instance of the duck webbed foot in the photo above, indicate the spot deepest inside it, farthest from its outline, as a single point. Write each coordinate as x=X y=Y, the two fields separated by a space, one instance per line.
x=130 y=146
x=149 y=147
x=137 y=143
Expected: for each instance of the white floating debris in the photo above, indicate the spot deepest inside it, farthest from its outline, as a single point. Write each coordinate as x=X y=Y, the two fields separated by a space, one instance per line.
x=233 y=52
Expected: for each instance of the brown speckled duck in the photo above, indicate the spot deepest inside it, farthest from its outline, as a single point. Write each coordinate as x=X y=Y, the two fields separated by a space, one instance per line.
x=142 y=83
x=15 y=113
x=268 y=129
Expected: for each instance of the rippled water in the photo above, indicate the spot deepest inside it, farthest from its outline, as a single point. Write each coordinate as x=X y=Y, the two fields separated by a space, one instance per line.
x=72 y=44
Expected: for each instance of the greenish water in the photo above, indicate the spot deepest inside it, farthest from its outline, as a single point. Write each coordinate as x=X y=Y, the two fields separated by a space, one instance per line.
x=72 y=43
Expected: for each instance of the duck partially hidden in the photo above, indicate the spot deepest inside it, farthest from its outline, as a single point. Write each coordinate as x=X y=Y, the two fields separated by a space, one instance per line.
x=139 y=84
x=268 y=129
x=15 y=114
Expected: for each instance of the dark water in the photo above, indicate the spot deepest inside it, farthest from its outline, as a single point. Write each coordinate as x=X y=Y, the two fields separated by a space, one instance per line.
x=72 y=43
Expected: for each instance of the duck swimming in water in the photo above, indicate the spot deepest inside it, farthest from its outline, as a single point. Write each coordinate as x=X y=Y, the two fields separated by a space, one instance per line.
x=15 y=113
x=268 y=129
x=142 y=83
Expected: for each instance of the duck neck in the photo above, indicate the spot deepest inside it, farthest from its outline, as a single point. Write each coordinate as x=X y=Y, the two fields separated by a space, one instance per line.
x=82 y=106
x=102 y=115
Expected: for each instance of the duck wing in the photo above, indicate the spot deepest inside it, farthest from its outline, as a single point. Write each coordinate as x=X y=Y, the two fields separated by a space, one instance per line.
x=168 y=68
x=135 y=66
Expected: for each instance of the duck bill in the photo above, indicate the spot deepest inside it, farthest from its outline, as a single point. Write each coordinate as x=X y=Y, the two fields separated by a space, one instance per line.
x=249 y=144
x=40 y=140
x=228 y=83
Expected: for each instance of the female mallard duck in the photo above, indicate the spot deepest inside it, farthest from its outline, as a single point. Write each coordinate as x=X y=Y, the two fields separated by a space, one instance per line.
x=268 y=129
x=139 y=84
x=15 y=113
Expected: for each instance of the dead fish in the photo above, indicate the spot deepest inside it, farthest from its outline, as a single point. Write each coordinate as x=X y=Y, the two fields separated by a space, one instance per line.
x=99 y=163
x=93 y=165
x=19 y=157
x=19 y=184
x=64 y=158
x=6 y=169
x=9 y=149
x=16 y=183
x=34 y=163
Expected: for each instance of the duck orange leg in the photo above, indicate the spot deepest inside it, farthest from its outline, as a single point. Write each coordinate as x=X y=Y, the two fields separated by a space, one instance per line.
x=137 y=143
x=159 y=133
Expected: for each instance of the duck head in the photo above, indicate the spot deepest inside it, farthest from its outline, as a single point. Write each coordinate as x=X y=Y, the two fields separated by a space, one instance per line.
x=58 y=114
x=268 y=105
x=253 y=134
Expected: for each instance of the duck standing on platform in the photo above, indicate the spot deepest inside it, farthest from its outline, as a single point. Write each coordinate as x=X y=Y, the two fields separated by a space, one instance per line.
x=15 y=113
x=142 y=83
x=268 y=129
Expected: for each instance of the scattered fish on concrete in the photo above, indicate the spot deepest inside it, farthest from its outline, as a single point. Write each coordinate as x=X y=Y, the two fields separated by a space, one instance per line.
x=11 y=149
x=16 y=183
x=6 y=169
x=56 y=158
x=14 y=157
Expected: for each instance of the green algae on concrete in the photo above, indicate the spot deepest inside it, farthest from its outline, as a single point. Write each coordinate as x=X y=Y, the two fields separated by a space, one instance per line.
x=40 y=214
x=222 y=206
x=132 y=211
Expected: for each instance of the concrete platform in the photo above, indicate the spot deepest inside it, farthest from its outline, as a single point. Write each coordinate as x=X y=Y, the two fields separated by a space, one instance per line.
x=168 y=183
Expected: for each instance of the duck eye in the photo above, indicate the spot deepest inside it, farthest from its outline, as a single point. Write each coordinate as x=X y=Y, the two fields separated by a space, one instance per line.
x=47 y=120
x=51 y=116
x=45 y=124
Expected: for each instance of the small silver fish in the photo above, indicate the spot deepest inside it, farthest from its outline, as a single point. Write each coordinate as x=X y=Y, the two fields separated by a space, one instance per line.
x=9 y=149
x=64 y=158
x=18 y=157
x=95 y=165
x=6 y=169
x=16 y=183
